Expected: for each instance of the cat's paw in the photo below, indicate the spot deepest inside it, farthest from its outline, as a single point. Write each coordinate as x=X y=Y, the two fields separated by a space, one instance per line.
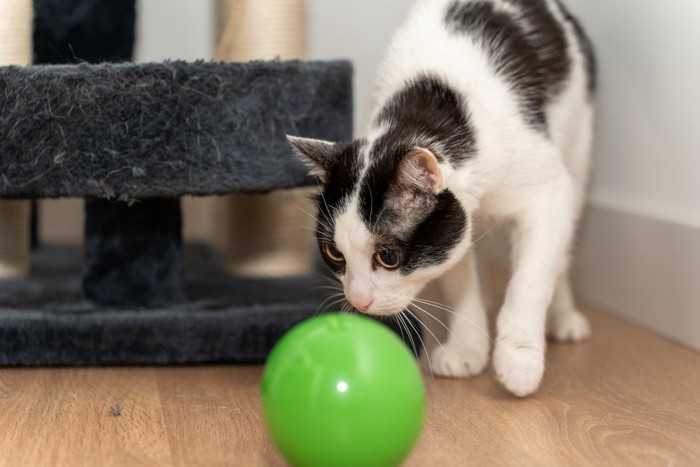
x=519 y=365
x=456 y=360
x=570 y=326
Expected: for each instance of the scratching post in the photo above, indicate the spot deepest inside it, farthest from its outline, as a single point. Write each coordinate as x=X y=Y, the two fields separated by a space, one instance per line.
x=15 y=49
x=257 y=30
x=14 y=238
x=265 y=235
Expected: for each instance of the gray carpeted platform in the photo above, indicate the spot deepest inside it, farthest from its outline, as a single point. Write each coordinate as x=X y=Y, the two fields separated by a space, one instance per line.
x=129 y=131
x=44 y=320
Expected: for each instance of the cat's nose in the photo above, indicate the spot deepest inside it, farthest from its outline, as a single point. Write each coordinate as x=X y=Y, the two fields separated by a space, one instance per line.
x=362 y=303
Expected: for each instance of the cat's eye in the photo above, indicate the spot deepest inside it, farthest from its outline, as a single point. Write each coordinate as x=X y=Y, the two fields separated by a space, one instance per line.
x=332 y=253
x=387 y=258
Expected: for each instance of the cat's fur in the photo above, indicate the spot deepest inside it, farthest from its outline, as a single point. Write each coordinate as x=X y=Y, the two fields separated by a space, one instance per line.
x=483 y=111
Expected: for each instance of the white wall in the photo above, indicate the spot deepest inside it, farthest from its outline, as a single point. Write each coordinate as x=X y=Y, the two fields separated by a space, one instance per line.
x=639 y=252
x=355 y=30
x=648 y=148
x=174 y=29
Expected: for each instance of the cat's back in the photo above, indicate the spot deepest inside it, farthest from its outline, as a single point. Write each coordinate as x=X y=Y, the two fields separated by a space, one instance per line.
x=524 y=51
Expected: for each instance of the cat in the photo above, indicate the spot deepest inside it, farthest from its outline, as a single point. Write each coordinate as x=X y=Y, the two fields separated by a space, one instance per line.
x=483 y=113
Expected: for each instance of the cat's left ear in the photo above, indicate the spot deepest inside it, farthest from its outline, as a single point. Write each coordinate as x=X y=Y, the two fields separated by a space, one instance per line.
x=318 y=155
x=420 y=169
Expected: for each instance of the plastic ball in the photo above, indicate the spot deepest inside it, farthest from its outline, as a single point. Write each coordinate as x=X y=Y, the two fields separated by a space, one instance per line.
x=342 y=389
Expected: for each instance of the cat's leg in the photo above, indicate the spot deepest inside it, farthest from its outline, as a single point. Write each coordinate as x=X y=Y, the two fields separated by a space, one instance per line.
x=541 y=234
x=466 y=351
x=564 y=322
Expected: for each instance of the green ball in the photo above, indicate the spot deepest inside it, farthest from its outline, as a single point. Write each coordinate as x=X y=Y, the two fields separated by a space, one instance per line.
x=342 y=389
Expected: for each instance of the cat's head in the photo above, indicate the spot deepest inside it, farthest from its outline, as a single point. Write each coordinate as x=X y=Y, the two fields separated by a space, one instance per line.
x=387 y=223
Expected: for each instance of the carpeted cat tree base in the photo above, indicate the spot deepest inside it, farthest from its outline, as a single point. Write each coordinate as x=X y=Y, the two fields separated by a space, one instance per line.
x=46 y=320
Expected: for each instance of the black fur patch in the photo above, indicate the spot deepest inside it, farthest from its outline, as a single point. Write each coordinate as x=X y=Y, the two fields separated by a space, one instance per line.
x=528 y=48
x=430 y=242
x=586 y=47
x=428 y=113
x=343 y=177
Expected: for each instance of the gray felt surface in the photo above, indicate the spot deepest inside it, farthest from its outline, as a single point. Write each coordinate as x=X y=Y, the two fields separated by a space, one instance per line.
x=128 y=131
x=45 y=320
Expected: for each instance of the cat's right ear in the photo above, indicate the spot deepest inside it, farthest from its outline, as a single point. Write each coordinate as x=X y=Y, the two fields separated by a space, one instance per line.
x=318 y=155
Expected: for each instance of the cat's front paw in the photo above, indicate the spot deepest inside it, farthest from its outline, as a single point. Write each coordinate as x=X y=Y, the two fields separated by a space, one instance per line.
x=519 y=365
x=569 y=326
x=455 y=360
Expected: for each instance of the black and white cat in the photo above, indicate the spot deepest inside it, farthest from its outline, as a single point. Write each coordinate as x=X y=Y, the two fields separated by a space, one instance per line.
x=484 y=112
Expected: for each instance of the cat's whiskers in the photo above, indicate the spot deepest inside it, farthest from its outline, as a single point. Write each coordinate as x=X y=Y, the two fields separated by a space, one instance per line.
x=328 y=279
x=327 y=214
x=373 y=226
x=321 y=235
x=483 y=235
x=325 y=276
x=453 y=313
x=325 y=223
x=330 y=303
x=371 y=197
x=347 y=308
x=332 y=284
x=403 y=337
x=315 y=218
x=408 y=322
x=432 y=316
x=376 y=220
x=422 y=324
x=397 y=318
x=333 y=301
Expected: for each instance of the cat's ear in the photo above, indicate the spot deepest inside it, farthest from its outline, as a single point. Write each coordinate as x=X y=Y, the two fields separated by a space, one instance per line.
x=420 y=170
x=318 y=155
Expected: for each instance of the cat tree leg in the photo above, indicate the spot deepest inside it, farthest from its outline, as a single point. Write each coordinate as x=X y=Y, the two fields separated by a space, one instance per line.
x=15 y=49
x=133 y=254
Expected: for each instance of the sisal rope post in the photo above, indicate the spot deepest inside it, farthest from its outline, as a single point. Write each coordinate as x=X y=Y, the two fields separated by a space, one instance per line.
x=264 y=235
x=16 y=19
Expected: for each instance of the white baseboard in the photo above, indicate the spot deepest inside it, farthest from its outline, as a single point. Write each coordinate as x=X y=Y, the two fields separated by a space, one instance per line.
x=642 y=264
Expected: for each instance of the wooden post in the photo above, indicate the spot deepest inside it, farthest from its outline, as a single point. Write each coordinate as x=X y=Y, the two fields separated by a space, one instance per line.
x=15 y=49
x=264 y=235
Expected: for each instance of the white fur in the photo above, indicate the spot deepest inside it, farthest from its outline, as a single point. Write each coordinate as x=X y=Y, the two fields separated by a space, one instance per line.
x=532 y=180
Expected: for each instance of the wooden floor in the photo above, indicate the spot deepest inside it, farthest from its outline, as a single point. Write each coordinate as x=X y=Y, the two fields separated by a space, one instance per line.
x=626 y=397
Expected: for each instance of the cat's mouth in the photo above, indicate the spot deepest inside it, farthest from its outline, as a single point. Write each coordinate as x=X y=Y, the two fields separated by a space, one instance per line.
x=382 y=311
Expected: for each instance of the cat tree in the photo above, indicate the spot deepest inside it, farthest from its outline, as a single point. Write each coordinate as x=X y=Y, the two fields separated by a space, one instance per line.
x=132 y=140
